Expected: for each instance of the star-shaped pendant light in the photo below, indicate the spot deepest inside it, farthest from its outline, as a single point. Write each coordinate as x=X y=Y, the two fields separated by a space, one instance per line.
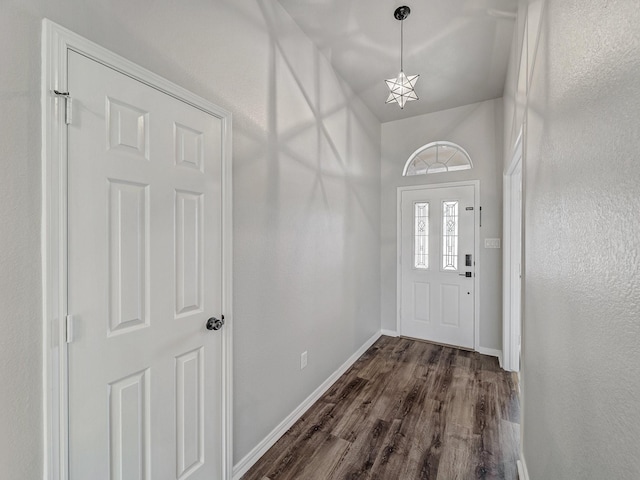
x=401 y=89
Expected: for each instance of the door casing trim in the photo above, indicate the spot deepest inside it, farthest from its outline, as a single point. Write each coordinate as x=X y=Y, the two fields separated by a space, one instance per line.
x=56 y=42
x=476 y=241
x=510 y=361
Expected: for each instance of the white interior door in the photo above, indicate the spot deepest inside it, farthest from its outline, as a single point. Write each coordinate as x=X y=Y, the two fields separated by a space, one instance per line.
x=438 y=264
x=144 y=275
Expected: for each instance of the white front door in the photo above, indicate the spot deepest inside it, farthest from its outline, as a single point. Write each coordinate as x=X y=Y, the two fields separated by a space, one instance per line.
x=144 y=275
x=438 y=264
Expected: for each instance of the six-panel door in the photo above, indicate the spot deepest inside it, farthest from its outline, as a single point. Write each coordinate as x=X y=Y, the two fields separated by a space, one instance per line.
x=144 y=267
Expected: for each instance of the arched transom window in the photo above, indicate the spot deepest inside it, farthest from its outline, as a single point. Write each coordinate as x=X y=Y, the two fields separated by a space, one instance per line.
x=437 y=157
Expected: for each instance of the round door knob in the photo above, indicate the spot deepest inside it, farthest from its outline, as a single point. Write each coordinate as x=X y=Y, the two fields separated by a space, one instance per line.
x=215 y=323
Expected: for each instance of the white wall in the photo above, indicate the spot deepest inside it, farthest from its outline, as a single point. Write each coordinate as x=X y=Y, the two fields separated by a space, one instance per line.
x=306 y=198
x=478 y=129
x=20 y=285
x=581 y=337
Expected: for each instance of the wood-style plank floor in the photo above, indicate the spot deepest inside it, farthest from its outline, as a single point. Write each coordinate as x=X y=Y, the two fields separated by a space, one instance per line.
x=405 y=410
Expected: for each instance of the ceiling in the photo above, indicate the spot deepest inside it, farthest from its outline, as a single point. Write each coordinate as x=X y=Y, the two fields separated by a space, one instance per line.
x=460 y=48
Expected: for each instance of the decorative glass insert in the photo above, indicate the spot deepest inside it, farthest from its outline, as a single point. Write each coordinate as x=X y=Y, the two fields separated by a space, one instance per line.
x=421 y=236
x=450 y=235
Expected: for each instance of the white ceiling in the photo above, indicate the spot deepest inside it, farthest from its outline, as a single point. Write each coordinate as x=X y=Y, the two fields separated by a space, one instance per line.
x=460 y=48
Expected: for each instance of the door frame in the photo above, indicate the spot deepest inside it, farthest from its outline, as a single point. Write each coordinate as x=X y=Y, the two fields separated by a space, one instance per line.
x=510 y=331
x=476 y=250
x=56 y=43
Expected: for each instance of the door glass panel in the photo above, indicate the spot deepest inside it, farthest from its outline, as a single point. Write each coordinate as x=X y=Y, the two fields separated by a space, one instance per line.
x=421 y=236
x=450 y=236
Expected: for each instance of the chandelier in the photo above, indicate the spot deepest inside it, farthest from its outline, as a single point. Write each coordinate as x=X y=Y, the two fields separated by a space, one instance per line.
x=401 y=88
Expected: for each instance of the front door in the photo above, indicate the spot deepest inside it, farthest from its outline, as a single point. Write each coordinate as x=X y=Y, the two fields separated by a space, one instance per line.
x=438 y=264
x=144 y=267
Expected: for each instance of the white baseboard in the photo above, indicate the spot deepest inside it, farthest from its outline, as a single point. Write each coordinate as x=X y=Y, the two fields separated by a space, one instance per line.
x=389 y=333
x=491 y=352
x=259 y=450
x=523 y=474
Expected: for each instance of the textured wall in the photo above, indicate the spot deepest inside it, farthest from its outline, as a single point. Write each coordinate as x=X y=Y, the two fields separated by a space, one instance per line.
x=478 y=129
x=20 y=284
x=581 y=337
x=306 y=198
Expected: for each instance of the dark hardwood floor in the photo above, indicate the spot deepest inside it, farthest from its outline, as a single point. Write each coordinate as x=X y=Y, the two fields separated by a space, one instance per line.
x=405 y=410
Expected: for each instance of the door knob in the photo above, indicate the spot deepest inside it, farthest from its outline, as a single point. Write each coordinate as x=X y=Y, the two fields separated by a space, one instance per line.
x=215 y=323
x=466 y=274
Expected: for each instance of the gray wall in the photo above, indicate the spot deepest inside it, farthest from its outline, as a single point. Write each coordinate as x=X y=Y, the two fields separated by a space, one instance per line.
x=478 y=129
x=581 y=336
x=20 y=268
x=306 y=198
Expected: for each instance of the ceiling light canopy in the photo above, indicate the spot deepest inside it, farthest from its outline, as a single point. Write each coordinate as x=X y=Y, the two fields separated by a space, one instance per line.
x=401 y=88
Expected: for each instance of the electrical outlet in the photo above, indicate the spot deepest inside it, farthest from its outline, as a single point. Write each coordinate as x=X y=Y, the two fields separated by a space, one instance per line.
x=303 y=360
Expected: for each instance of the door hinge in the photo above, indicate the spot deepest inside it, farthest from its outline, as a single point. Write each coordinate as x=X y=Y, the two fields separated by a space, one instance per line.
x=68 y=109
x=68 y=328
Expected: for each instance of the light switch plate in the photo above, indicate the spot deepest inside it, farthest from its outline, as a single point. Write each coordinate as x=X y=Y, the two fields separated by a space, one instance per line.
x=491 y=243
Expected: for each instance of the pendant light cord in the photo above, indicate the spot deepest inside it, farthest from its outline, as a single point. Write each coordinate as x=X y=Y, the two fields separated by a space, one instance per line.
x=401 y=44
